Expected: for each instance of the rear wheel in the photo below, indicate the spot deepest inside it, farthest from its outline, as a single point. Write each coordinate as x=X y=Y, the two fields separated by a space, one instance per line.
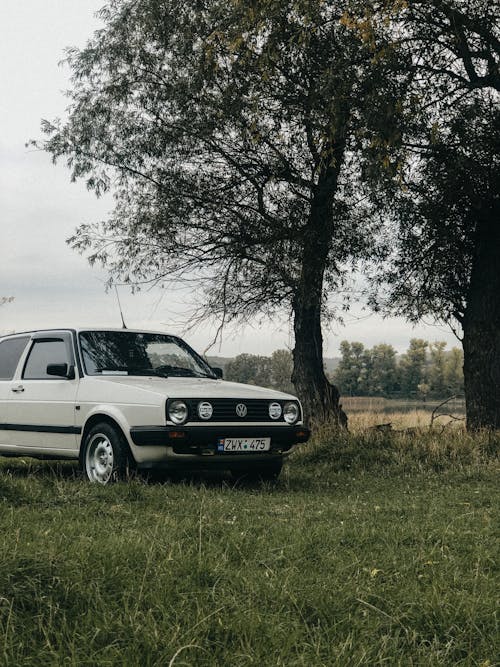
x=259 y=472
x=105 y=456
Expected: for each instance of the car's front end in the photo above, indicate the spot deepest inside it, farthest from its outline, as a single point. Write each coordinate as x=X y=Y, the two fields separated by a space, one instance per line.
x=228 y=426
x=175 y=411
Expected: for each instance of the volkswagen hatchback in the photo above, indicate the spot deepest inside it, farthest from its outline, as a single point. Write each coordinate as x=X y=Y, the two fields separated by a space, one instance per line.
x=122 y=399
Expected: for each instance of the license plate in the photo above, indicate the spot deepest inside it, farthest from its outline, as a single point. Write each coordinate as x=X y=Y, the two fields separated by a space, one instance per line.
x=244 y=444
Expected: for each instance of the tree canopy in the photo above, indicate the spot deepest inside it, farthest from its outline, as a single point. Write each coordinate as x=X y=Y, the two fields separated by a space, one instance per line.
x=452 y=187
x=214 y=138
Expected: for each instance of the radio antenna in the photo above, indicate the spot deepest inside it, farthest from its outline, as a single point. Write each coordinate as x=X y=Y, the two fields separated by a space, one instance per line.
x=124 y=326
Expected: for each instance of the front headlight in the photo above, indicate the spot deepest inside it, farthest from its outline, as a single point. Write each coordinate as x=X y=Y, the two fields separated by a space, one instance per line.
x=291 y=413
x=177 y=412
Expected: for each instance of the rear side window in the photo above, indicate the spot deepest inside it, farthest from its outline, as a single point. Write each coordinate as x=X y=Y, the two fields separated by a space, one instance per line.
x=10 y=353
x=42 y=354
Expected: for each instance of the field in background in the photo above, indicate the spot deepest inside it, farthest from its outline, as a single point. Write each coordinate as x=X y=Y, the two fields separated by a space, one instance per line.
x=373 y=549
x=420 y=419
x=380 y=405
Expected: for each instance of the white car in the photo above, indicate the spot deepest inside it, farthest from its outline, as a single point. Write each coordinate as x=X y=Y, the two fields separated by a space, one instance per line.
x=117 y=399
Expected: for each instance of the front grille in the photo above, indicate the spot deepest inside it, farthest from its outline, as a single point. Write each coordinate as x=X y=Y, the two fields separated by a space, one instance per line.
x=225 y=410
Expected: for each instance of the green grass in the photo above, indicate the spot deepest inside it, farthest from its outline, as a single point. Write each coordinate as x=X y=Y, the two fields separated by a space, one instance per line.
x=371 y=550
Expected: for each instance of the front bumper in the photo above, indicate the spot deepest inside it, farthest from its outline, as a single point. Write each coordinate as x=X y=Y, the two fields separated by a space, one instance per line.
x=201 y=439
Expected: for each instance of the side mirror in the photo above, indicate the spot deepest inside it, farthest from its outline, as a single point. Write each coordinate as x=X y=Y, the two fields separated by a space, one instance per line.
x=61 y=370
x=218 y=372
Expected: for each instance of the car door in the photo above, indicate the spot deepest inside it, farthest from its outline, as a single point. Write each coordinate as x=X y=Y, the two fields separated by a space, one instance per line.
x=11 y=351
x=42 y=406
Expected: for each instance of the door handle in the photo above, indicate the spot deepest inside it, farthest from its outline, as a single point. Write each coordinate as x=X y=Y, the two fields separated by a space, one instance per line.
x=19 y=389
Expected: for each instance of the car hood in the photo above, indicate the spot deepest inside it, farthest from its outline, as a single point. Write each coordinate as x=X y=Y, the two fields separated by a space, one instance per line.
x=180 y=387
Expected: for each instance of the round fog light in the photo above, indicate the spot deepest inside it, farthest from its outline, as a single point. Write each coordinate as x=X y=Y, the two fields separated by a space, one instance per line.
x=274 y=410
x=291 y=413
x=177 y=412
x=205 y=410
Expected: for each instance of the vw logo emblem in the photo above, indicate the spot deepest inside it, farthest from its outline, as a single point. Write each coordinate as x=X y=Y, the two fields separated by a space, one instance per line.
x=241 y=410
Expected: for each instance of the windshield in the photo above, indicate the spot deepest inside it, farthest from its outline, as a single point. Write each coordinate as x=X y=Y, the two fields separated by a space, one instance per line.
x=131 y=353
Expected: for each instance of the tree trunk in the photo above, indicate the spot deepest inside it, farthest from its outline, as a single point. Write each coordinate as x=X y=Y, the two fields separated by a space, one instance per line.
x=320 y=399
x=481 y=327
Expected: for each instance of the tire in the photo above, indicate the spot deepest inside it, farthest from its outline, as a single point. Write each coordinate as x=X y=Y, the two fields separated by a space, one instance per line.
x=258 y=472
x=105 y=456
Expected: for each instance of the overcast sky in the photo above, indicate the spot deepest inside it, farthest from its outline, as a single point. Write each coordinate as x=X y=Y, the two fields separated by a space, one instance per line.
x=40 y=208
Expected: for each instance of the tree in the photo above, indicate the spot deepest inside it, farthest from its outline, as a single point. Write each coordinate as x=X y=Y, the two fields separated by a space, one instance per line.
x=449 y=244
x=443 y=203
x=437 y=369
x=274 y=371
x=350 y=369
x=249 y=369
x=229 y=133
x=412 y=367
x=281 y=370
x=383 y=370
x=453 y=371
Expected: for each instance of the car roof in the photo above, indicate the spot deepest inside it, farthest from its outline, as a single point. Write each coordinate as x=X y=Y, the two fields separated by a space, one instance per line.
x=81 y=329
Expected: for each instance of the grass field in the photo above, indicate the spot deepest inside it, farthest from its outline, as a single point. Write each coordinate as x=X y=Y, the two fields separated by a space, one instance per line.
x=373 y=549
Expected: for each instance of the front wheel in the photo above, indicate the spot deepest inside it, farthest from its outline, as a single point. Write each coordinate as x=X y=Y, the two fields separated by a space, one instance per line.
x=105 y=457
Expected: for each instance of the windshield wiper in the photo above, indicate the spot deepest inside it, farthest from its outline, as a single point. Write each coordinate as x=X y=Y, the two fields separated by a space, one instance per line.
x=180 y=371
x=145 y=372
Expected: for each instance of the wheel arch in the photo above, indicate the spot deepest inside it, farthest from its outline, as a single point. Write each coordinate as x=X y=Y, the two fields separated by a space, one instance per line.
x=100 y=418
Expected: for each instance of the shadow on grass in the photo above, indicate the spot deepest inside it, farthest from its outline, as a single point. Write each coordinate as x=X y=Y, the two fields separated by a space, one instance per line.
x=27 y=467
x=50 y=471
x=207 y=478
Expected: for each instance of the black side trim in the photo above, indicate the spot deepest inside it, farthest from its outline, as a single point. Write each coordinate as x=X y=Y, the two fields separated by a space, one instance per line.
x=35 y=428
x=204 y=435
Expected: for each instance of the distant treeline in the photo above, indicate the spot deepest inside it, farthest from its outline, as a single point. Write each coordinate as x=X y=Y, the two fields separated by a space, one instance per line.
x=424 y=370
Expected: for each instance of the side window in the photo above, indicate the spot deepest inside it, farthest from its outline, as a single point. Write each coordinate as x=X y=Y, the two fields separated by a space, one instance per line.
x=10 y=353
x=42 y=353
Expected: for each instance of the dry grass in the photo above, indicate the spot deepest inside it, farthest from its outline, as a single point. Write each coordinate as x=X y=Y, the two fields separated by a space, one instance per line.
x=405 y=440
x=421 y=419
